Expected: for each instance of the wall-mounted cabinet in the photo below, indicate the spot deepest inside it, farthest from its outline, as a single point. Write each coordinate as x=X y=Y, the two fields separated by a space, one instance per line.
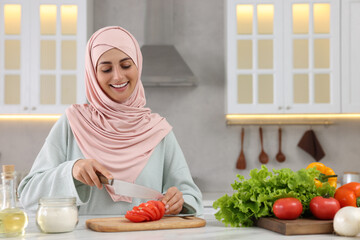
x=283 y=56
x=42 y=46
x=350 y=55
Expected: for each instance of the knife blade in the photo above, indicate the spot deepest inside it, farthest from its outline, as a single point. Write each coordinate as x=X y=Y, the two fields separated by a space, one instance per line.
x=130 y=189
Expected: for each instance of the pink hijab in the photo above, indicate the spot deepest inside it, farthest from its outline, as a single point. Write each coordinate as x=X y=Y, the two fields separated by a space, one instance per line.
x=121 y=136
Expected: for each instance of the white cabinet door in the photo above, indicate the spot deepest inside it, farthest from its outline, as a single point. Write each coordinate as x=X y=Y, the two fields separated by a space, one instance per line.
x=283 y=56
x=14 y=55
x=51 y=73
x=312 y=58
x=254 y=56
x=350 y=56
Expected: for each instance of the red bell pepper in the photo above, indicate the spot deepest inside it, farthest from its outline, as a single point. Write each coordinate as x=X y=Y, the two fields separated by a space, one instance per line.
x=348 y=194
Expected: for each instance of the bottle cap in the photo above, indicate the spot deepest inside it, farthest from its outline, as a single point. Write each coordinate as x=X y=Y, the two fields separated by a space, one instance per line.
x=8 y=171
x=8 y=168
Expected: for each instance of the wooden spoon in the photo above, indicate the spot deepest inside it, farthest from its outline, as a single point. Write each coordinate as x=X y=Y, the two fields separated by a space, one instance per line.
x=263 y=157
x=280 y=157
x=241 y=163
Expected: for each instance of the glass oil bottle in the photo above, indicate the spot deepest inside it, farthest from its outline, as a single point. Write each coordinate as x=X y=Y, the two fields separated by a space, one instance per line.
x=13 y=220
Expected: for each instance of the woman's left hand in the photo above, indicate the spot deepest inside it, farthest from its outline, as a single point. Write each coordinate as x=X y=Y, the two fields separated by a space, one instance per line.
x=173 y=200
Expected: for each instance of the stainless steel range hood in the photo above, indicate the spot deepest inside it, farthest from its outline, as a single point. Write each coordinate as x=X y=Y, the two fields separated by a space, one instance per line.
x=163 y=64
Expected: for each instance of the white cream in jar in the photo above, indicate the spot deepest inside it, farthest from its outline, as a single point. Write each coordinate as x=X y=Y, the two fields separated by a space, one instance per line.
x=57 y=215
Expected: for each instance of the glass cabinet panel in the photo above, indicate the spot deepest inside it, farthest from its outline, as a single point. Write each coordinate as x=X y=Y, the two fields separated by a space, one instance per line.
x=47 y=89
x=300 y=18
x=12 y=54
x=301 y=88
x=265 y=18
x=12 y=89
x=321 y=18
x=69 y=19
x=47 y=54
x=244 y=54
x=68 y=89
x=68 y=60
x=265 y=89
x=244 y=15
x=321 y=53
x=245 y=89
x=265 y=54
x=300 y=53
x=322 y=88
x=12 y=19
x=48 y=19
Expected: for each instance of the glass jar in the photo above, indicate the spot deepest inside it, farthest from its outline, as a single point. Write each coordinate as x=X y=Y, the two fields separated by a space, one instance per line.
x=57 y=215
x=350 y=177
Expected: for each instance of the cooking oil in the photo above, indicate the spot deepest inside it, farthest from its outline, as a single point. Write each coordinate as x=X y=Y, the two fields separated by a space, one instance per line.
x=13 y=222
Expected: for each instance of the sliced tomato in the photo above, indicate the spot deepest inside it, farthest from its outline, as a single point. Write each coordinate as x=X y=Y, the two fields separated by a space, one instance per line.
x=160 y=206
x=134 y=217
x=155 y=208
x=139 y=210
x=149 y=211
x=149 y=208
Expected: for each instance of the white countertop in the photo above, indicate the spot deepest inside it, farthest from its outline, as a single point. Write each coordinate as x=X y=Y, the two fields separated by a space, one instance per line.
x=213 y=230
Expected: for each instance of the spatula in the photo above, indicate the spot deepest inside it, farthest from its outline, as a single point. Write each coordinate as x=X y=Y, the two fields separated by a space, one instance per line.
x=280 y=157
x=263 y=157
x=241 y=163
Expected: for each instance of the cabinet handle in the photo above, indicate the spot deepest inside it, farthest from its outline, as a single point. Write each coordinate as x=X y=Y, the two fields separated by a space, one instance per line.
x=288 y=107
x=26 y=108
x=280 y=108
x=33 y=108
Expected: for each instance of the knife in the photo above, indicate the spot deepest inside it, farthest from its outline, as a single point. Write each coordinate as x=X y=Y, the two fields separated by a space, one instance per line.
x=130 y=189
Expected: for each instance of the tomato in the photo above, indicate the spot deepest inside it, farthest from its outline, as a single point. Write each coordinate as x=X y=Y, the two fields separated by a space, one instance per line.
x=287 y=208
x=324 y=208
x=149 y=211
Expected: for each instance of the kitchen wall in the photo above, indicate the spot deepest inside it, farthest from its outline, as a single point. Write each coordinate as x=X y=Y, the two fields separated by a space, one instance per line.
x=197 y=113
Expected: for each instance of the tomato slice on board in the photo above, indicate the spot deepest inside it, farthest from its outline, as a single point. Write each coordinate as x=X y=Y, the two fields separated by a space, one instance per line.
x=134 y=217
x=149 y=211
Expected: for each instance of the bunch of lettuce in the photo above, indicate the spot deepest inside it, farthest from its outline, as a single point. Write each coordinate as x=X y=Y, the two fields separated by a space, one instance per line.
x=253 y=198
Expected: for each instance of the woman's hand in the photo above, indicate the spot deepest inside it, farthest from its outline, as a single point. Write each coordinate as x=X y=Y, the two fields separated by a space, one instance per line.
x=173 y=201
x=84 y=170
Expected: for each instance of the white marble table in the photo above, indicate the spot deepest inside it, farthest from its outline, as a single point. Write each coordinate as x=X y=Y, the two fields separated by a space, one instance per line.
x=212 y=230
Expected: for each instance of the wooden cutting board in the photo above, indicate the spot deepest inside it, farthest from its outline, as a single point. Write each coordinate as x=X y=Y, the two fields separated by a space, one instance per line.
x=297 y=226
x=121 y=224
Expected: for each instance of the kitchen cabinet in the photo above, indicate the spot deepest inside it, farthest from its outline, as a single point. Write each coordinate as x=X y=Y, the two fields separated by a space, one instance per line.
x=42 y=48
x=350 y=55
x=283 y=56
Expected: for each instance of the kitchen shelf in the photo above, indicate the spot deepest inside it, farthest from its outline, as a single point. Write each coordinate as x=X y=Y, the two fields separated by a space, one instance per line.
x=289 y=119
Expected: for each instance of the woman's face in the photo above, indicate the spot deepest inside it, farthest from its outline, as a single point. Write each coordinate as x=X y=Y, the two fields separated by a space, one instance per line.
x=117 y=74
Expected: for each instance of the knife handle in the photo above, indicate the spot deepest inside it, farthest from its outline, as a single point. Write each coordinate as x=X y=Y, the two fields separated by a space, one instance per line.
x=104 y=180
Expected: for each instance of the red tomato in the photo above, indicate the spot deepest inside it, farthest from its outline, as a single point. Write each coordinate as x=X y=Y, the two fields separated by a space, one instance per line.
x=149 y=211
x=287 y=208
x=324 y=208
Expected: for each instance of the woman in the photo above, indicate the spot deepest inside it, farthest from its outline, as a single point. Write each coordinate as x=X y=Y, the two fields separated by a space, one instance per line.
x=114 y=135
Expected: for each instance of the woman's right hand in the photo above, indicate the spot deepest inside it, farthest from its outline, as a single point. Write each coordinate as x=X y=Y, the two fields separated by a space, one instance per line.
x=84 y=170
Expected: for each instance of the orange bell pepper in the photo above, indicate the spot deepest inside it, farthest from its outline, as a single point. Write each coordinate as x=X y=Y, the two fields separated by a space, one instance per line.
x=326 y=174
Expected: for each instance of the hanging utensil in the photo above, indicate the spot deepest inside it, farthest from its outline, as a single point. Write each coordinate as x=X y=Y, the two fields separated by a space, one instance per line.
x=241 y=163
x=263 y=157
x=280 y=157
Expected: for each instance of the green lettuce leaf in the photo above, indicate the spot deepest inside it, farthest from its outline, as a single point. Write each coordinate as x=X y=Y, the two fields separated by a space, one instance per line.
x=254 y=197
